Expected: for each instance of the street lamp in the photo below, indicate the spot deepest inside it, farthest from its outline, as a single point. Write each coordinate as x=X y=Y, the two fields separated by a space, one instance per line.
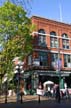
x=18 y=71
x=6 y=87
x=1 y=76
x=58 y=69
x=59 y=63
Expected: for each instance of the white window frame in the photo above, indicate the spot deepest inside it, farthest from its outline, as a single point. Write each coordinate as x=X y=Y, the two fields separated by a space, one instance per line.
x=65 y=41
x=67 y=63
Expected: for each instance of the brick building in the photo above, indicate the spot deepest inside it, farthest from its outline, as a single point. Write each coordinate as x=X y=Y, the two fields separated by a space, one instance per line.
x=51 y=56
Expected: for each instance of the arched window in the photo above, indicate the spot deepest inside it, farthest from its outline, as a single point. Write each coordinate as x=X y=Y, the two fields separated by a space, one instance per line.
x=53 y=39
x=65 y=41
x=41 y=38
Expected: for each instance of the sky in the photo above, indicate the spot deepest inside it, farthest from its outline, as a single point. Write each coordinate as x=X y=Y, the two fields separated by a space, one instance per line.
x=59 y=10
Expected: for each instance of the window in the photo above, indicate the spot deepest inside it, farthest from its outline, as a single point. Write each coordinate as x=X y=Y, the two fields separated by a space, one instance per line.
x=43 y=58
x=65 y=41
x=53 y=40
x=41 y=38
x=67 y=60
x=54 y=57
x=29 y=59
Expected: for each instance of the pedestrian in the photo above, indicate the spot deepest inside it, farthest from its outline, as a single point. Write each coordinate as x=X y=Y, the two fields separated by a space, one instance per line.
x=66 y=91
x=49 y=91
x=40 y=86
x=67 y=94
x=29 y=88
x=54 y=91
x=58 y=94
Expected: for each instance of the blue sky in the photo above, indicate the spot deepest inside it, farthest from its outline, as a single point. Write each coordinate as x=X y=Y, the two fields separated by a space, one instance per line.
x=50 y=9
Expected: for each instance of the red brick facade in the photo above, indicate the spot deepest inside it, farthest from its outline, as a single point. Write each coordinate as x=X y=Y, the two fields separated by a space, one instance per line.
x=54 y=43
x=59 y=28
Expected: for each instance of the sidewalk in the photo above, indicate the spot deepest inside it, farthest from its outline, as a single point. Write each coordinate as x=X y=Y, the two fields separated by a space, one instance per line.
x=25 y=98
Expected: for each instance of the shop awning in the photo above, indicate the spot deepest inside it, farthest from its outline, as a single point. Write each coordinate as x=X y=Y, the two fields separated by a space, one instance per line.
x=53 y=73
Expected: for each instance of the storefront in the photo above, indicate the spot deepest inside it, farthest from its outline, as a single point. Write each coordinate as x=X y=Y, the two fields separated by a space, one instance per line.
x=33 y=78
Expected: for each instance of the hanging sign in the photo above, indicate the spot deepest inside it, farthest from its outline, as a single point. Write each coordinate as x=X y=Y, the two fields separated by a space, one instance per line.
x=40 y=92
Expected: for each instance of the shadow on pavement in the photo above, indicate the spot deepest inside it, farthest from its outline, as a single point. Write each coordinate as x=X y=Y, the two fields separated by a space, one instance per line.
x=36 y=104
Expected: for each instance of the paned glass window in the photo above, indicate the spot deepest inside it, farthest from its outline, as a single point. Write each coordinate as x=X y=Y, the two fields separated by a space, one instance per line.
x=53 y=40
x=29 y=59
x=43 y=58
x=65 y=41
x=67 y=60
x=41 y=38
x=54 y=58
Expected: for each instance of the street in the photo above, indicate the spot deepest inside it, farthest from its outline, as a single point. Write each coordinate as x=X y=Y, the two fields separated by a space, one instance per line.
x=32 y=102
x=35 y=104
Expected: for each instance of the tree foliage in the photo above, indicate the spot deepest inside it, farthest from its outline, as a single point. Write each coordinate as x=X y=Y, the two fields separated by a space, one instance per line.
x=15 y=34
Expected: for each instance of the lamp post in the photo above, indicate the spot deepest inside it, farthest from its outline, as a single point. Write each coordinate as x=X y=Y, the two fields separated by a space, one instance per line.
x=18 y=70
x=6 y=86
x=58 y=69
x=59 y=62
x=1 y=75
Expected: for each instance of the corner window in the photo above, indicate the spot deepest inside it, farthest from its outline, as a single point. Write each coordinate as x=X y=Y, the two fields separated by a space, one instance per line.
x=41 y=38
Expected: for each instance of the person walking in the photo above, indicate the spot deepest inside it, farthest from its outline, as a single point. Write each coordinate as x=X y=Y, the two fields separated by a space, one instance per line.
x=40 y=87
x=58 y=94
x=66 y=91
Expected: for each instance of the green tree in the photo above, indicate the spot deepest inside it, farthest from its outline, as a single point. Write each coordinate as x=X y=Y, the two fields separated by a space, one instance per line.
x=15 y=35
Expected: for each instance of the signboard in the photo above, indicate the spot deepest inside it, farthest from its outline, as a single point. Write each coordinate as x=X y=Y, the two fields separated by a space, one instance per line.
x=40 y=92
